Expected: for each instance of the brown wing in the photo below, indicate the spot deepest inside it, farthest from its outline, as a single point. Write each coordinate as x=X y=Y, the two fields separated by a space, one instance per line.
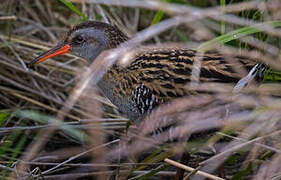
x=159 y=75
x=166 y=72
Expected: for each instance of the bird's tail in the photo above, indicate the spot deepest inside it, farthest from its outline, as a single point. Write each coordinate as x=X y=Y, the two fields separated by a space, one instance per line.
x=256 y=73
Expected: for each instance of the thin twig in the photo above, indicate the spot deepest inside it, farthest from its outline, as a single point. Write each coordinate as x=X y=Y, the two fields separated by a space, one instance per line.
x=8 y=18
x=179 y=165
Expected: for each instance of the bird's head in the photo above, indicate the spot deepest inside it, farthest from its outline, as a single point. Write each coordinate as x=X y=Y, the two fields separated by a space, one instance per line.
x=86 y=40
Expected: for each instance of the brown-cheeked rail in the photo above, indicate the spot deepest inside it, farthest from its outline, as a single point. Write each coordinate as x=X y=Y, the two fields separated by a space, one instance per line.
x=154 y=77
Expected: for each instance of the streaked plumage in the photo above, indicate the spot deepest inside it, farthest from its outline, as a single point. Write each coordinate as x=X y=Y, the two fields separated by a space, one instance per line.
x=154 y=77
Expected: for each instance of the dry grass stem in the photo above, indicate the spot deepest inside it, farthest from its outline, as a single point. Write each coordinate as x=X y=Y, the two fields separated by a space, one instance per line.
x=56 y=123
x=179 y=165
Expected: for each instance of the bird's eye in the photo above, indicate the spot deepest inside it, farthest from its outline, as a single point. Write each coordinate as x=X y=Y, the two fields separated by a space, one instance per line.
x=78 y=39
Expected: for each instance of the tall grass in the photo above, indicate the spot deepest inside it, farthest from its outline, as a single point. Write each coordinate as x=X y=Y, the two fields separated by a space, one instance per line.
x=39 y=130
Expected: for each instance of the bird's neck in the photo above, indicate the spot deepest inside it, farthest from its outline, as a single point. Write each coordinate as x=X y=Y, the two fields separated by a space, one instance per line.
x=111 y=86
x=109 y=81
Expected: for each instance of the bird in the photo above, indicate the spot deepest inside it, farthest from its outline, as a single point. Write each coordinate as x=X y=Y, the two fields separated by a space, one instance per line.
x=153 y=77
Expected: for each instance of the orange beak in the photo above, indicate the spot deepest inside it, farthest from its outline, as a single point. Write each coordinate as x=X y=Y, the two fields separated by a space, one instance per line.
x=55 y=51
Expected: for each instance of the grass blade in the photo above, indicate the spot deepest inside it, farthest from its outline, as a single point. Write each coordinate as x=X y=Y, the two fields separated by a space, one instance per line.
x=234 y=35
x=69 y=130
x=74 y=9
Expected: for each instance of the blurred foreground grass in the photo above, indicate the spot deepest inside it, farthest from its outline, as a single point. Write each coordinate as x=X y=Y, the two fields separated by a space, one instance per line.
x=31 y=100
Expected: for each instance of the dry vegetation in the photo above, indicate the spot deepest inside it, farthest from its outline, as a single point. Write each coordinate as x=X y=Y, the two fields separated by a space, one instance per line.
x=55 y=125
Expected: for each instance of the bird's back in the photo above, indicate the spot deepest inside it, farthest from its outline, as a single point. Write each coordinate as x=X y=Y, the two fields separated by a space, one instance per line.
x=159 y=75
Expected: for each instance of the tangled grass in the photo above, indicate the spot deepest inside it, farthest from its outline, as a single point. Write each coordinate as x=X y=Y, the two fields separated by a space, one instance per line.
x=56 y=125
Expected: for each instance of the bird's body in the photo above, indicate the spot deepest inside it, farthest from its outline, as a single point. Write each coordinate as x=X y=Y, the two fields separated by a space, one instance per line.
x=154 y=77
x=161 y=75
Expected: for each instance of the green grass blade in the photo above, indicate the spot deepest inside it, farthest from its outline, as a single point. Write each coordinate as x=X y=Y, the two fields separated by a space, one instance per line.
x=222 y=4
x=3 y=116
x=182 y=36
x=159 y=14
x=241 y=174
x=235 y=35
x=151 y=173
x=157 y=17
x=6 y=148
x=67 y=129
x=271 y=76
x=74 y=9
x=15 y=152
x=9 y=141
x=154 y=157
